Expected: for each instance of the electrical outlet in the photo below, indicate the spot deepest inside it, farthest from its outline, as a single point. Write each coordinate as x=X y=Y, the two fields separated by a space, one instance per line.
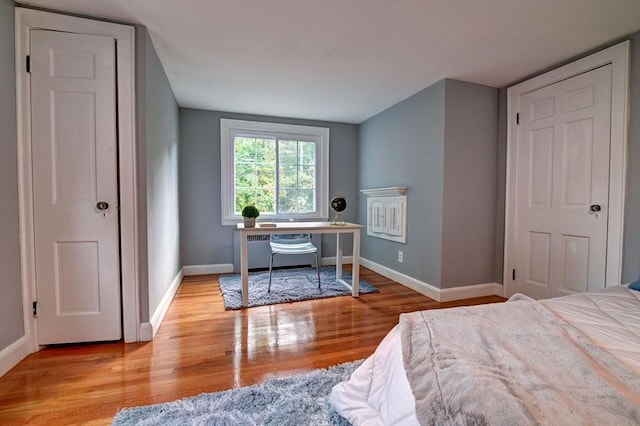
x=400 y=256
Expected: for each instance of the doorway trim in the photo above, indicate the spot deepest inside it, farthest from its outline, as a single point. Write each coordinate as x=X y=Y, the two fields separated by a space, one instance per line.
x=27 y=19
x=618 y=57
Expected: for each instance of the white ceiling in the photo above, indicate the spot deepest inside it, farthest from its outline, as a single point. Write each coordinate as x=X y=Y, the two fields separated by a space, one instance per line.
x=346 y=60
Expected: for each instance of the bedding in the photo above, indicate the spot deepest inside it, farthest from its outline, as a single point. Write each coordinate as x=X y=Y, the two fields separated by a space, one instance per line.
x=569 y=360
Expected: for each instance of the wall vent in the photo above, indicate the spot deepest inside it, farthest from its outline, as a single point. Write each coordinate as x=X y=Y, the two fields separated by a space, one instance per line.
x=387 y=213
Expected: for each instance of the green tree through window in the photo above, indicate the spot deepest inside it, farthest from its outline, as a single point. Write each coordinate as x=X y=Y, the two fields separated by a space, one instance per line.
x=282 y=169
x=276 y=175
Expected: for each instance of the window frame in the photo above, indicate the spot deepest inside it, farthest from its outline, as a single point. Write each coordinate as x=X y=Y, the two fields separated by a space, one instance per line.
x=229 y=128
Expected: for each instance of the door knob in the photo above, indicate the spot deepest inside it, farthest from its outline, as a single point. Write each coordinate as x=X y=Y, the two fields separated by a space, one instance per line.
x=102 y=205
x=595 y=208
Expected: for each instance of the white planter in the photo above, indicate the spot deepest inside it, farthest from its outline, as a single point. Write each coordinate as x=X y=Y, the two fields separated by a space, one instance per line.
x=249 y=222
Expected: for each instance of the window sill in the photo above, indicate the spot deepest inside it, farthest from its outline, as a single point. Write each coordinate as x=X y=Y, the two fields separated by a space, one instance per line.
x=235 y=221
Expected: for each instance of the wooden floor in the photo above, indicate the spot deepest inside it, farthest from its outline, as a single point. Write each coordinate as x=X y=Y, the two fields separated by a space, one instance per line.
x=200 y=347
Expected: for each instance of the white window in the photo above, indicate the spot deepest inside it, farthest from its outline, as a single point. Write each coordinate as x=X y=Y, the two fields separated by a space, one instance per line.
x=282 y=169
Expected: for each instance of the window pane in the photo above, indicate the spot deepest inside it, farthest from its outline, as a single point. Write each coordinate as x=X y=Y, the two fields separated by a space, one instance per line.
x=307 y=177
x=265 y=175
x=307 y=153
x=244 y=149
x=297 y=200
x=266 y=150
x=245 y=174
x=255 y=173
x=287 y=202
x=306 y=200
x=297 y=176
x=288 y=176
x=288 y=152
x=265 y=201
x=244 y=197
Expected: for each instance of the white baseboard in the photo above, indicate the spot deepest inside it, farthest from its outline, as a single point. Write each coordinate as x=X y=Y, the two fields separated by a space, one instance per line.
x=327 y=261
x=407 y=281
x=149 y=329
x=435 y=293
x=469 y=291
x=146 y=332
x=13 y=354
x=222 y=268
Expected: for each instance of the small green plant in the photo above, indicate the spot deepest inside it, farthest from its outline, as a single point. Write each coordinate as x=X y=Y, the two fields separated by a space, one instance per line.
x=250 y=211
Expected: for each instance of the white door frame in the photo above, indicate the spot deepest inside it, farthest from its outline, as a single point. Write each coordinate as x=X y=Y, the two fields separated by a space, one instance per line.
x=618 y=57
x=27 y=19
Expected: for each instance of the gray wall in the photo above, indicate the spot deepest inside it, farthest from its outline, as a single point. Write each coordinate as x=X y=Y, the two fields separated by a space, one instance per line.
x=11 y=315
x=470 y=190
x=158 y=162
x=203 y=238
x=442 y=144
x=404 y=146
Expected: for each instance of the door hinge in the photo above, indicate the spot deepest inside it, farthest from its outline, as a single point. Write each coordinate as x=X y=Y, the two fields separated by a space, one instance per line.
x=28 y=63
x=35 y=309
x=517 y=118
x=513 y=275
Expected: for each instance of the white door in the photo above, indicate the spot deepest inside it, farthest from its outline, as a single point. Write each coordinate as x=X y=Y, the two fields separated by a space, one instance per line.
x=563 y=186
x=75 y=196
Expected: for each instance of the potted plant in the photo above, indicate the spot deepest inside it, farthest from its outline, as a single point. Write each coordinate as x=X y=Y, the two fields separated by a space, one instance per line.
x=249 y=213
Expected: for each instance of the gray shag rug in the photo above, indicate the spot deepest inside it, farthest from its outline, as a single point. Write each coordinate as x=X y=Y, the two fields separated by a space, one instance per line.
x=287 y=285
x=295 y=400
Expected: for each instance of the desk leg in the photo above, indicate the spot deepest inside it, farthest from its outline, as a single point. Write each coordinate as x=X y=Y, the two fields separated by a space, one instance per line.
x=338 y=257
x=244 y=268
x=355 y=273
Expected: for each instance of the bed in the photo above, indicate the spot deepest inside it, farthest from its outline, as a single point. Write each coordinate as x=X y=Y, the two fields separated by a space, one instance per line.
x=569 y=360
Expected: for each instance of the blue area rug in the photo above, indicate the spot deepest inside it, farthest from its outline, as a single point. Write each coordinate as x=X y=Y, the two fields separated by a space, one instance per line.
x=296 y=400
x=287 y=285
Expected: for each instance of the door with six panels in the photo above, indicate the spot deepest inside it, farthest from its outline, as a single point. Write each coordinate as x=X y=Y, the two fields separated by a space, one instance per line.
x=75 y=193
x=563 y=186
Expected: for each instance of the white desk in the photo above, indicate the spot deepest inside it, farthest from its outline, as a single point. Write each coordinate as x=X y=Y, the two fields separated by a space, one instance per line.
x=304 y=228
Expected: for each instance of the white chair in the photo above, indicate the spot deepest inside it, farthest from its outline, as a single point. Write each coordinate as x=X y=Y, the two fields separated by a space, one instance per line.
x=292 y=244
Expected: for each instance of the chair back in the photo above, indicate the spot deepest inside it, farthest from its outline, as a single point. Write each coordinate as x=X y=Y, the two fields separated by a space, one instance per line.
x=290 y=238
x=292 y=244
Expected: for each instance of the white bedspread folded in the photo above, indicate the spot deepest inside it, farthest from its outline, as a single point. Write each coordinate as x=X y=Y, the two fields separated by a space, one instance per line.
x=564 y=361
x=609 y=318
x=512 y=363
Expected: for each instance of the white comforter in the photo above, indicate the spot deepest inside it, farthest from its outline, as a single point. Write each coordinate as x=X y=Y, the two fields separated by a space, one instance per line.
x=379 y=392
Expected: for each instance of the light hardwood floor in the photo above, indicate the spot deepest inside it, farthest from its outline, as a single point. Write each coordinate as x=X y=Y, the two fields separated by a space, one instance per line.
x=200 y=347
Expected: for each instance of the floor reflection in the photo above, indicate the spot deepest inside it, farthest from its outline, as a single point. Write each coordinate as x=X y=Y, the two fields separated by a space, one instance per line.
x=268 y=333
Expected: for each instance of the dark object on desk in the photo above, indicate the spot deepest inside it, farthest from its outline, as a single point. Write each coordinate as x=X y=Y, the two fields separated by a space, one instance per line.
x=338 y=205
